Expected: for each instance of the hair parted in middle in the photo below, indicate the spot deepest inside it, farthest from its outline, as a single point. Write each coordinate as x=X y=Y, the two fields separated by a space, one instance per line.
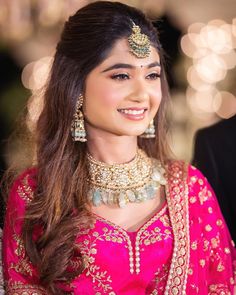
x=87 y=38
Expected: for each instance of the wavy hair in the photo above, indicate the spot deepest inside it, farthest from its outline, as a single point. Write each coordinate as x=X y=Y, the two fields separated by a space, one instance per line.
x=60 y=203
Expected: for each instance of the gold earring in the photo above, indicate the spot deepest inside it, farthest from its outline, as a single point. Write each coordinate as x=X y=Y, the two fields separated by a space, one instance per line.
x=150 y=131
x=77 y=127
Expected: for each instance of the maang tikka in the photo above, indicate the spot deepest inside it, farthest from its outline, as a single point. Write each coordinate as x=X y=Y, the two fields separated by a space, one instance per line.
x=150 y=131
x=77 y=127
x=139 y=43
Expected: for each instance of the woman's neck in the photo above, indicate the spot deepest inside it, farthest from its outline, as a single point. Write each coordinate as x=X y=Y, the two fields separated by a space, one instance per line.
x=112 y=149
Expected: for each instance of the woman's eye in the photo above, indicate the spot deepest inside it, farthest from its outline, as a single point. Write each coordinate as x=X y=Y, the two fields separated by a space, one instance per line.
x=153 y=76
x=120 y=76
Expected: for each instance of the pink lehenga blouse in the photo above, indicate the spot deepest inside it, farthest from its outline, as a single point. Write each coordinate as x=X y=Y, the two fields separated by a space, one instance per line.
x=185 y=248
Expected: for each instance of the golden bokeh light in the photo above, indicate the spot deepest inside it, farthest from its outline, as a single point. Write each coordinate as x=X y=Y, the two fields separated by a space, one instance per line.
x=41 y=71
x=26 y=75
x=192 y=46
x=195 y=81
x=211 y=68
x=229 y=59
x=203 y=101
x=216 y=38
x=195 y=27
x=216 y=22
x=211 y=48
x=35 y=74
x=225 y=104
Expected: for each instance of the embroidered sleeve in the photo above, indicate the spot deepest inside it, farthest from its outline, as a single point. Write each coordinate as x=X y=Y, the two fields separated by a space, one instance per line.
x=1 y=274
x=19 y=273
x=219 y=252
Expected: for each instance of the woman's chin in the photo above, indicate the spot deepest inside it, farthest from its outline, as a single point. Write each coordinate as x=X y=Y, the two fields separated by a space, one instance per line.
x=134 y=133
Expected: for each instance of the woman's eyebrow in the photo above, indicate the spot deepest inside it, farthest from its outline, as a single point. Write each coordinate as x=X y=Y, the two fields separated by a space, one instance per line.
x=129 y=66
x=153 y=65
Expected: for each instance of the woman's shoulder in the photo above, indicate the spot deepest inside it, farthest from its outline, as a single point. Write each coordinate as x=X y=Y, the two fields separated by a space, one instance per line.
x=184 y=170
x=182 y=173
x=188 y=180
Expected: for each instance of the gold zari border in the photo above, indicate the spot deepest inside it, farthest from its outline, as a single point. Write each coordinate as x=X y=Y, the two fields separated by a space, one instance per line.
x=177 y=199
x=19 y=288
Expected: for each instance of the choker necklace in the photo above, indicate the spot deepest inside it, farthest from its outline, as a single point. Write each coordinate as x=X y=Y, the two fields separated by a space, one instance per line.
x=120 y=184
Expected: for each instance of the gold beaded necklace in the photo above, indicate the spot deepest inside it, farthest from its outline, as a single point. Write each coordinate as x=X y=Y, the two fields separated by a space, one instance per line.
x=120 y=184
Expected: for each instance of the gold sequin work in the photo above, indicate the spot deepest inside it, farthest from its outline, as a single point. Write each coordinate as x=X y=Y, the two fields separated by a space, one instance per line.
x=19 y=288
x=146 y=236
x=23 y=265
x=24 y=190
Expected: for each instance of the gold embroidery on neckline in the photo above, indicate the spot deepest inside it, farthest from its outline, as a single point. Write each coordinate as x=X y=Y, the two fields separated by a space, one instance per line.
x=141 y=231
x=134 y=256
x=100 y=278
x=149 y=221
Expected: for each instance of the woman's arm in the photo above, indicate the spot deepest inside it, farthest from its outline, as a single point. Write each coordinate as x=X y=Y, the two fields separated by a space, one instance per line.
x=19 y=273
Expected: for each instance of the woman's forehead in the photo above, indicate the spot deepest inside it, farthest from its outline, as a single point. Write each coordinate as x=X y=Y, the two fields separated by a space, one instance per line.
x=121 y=53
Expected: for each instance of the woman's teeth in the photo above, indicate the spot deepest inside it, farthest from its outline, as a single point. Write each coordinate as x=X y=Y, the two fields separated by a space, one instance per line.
x=133 y=112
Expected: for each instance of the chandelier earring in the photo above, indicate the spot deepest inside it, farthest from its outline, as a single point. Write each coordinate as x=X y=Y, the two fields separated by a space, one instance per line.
x=150 y=131
x=77 y=127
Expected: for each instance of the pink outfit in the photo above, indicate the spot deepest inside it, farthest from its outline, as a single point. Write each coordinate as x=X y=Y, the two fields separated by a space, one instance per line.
x=185 y=248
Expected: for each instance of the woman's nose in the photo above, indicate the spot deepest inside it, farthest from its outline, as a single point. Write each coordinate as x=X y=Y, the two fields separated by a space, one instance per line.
x=139 y=92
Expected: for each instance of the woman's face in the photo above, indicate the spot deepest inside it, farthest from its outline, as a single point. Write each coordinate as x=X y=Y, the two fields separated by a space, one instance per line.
x=123 y=93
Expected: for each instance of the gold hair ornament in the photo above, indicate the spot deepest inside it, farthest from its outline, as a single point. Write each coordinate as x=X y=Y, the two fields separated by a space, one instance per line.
x=139 y=43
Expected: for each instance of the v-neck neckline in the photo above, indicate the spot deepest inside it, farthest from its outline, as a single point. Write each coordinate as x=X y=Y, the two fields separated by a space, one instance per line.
x=146 y=224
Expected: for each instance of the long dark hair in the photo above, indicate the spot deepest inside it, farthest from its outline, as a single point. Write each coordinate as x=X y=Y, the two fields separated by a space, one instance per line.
x=60 y=204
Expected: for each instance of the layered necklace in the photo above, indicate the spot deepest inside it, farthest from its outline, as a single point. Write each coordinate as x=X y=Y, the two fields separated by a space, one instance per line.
x=120 y=184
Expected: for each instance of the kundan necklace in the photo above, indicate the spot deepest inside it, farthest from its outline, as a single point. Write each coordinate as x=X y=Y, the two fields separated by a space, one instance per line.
x=120 y=184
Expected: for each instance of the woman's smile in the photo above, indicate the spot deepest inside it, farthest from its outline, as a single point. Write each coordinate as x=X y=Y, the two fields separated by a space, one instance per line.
x=133 y=113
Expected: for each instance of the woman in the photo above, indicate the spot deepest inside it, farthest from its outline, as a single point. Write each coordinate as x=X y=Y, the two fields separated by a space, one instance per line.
x=106 y=211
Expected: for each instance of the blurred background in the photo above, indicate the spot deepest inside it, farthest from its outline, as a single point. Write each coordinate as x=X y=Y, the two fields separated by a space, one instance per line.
x=199 y=37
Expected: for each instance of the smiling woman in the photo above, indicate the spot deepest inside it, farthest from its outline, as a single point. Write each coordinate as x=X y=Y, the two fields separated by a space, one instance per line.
x=130 y=93
x=106 y=210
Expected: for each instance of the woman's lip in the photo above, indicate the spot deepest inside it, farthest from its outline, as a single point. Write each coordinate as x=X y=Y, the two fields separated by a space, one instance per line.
x=135 y=113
